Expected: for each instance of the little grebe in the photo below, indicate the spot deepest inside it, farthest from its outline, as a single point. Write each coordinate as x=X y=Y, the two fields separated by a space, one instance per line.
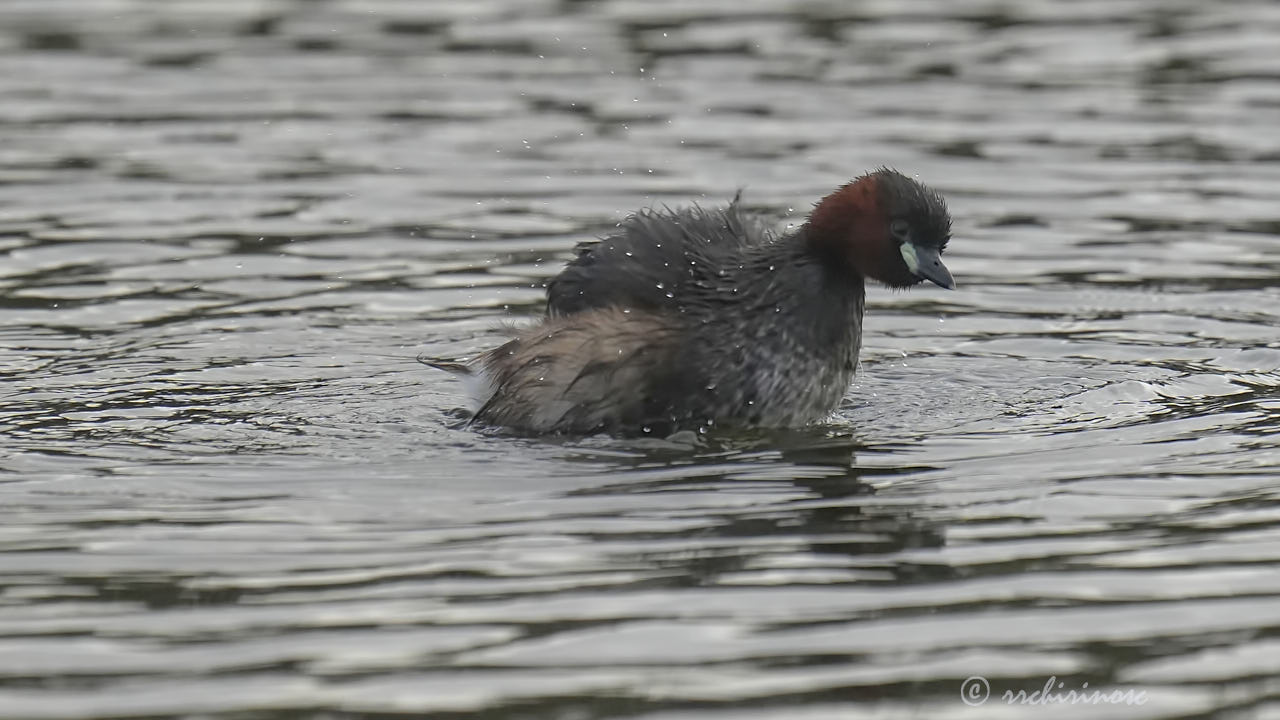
x=692 y=318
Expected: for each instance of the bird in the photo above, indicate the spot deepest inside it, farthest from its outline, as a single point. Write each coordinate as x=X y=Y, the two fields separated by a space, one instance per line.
x=695 y=318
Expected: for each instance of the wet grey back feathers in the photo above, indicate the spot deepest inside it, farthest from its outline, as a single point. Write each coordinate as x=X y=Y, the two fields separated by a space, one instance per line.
x=653 y=259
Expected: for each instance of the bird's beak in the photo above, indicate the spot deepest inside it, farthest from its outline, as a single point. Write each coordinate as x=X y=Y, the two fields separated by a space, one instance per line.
x=926 y=264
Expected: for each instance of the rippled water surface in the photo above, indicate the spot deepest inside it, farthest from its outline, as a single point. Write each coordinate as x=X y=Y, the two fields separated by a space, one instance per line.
x=227 y=490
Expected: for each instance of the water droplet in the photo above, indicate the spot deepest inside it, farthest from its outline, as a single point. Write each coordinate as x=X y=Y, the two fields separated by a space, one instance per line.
x=661 y=286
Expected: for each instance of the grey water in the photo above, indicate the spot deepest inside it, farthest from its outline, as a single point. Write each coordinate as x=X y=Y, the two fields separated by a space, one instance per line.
x=228 y=491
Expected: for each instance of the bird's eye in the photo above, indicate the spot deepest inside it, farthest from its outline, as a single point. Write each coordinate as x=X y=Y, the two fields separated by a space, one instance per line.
x=900 y=229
